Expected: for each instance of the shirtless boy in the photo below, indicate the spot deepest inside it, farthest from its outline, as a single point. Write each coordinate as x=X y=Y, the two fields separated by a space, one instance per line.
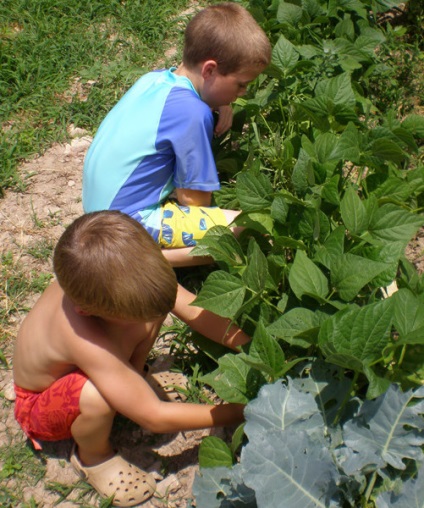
x=81 y=351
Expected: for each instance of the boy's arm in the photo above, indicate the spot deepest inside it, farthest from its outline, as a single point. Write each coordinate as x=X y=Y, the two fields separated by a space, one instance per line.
x=190 y=197
x=207 y=323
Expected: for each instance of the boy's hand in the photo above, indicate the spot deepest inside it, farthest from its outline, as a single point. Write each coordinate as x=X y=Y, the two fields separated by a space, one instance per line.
x=225 y=119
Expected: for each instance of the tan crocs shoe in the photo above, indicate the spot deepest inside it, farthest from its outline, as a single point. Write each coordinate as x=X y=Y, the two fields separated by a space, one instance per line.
x=167 y=385
x=116 y=477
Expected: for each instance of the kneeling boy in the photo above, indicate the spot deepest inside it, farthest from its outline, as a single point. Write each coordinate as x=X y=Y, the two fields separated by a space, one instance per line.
x=81 y=351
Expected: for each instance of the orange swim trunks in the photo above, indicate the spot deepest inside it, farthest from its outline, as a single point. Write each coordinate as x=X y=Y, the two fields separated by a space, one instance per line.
x=48 y=415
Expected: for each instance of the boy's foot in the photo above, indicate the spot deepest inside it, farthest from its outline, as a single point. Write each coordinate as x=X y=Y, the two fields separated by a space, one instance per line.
x=116 y=477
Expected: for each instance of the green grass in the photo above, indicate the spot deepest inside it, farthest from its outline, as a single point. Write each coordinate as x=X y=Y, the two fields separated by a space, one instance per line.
x=65 y=63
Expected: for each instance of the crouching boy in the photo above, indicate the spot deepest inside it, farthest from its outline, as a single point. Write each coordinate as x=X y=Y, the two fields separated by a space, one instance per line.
x=81 y=351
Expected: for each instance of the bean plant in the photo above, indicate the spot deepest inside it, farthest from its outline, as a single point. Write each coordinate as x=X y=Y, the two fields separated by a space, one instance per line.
x=330 y=188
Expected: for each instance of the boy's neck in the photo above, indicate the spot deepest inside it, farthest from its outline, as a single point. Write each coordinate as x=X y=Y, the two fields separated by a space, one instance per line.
x=194 y=76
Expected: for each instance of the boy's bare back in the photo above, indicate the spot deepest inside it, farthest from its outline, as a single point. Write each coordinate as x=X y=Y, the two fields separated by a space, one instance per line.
x=56 y=339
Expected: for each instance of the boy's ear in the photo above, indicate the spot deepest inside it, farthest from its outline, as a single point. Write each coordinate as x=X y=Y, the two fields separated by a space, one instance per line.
x=209 y=69
x=80 y=311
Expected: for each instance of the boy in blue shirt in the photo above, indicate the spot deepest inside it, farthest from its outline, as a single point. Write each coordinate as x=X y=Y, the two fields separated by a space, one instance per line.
x=152 y=157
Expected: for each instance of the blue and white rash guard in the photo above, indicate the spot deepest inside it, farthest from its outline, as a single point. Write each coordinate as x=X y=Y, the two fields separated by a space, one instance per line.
x=157 y=138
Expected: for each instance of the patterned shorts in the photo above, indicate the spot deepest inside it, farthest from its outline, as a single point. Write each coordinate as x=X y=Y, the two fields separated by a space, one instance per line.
x=48 y=415
x=182 y=225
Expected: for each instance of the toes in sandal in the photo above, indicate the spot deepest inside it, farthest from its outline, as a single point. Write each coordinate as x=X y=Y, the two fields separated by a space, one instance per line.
x=167 y=385
x=116 y=477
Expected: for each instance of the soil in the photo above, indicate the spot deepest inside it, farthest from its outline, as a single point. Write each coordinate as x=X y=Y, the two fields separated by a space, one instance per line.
x=37 y=216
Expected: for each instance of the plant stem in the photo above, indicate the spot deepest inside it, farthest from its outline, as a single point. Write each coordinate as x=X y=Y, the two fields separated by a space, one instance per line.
x=346 y=399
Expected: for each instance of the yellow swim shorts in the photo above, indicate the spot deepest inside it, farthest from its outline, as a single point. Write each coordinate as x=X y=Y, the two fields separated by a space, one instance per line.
x=182 y=225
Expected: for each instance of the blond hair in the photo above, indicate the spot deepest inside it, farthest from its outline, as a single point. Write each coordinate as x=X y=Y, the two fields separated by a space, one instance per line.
x=228 y=34
x=109 y=266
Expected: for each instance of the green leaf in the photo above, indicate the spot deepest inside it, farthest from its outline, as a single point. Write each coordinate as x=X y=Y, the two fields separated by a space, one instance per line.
x=409 y=317
x=256 y=272
x=284 y=55
x=390 y=428
x=338 y=89
x=258 y=221
x=289 y=13
x=234 y=380
x=298 y=326
x=265 y=353
x=254 y=192
x=412 y=494
x=388 y=150
x=350 y=273
x=358 y=333
x=393 y=223
x=332 y=249
x=221 y=293
x=415 y=125
x=353 y=212
x=220 y=243
x=348 y=145
x=306 y=278
x=214 y=452
x=279 y=209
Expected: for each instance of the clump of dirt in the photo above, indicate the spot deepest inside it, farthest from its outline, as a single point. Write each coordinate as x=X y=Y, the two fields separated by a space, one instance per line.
x=37 y=216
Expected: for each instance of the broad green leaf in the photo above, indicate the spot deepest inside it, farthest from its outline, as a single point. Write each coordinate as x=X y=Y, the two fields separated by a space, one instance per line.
x=360 y=333
x=324 y=146
x=254 y=192
x=408 y=317
x=348 y=145
x=281 y=476
x=338 y=89
x=258 y=221
x=345 y=28
x=284 y=54
x=329 y=386
x=214 y=452
x=213 y=486
x=234 y=380
x=377 y=384
x=393 y=223
x=256 y=272
x=289 y=13
x=279 y=209
x=265 y=353
x=332 y=249
x=280 y=406
x=414 y=124
x=390 y=426
x=350 y=273
x=220 y=243
x=353 y=212
x=303 y=175
x=221 y=293
x=306 y=278
x=412 y=495
x=330 y=190
x=388 y=150
x=298 y=326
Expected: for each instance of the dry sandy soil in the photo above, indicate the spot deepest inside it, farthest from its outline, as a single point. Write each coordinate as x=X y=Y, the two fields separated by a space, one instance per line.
x=51 y=201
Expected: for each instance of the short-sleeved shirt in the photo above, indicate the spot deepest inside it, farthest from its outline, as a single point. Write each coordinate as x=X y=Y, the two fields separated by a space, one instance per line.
x=155 y=139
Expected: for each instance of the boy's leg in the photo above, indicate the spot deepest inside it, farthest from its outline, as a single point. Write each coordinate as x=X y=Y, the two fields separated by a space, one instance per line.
x=91 y=429
x=182 y=226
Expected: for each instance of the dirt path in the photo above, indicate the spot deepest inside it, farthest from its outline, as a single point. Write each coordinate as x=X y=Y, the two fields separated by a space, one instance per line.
x=37 y=217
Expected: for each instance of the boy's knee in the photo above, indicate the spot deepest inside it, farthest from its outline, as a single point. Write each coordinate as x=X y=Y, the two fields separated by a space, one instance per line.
x=92 y=401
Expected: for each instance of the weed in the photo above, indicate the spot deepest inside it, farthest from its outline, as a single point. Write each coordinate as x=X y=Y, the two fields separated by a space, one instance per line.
x=17 y=286
x=42 y=249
